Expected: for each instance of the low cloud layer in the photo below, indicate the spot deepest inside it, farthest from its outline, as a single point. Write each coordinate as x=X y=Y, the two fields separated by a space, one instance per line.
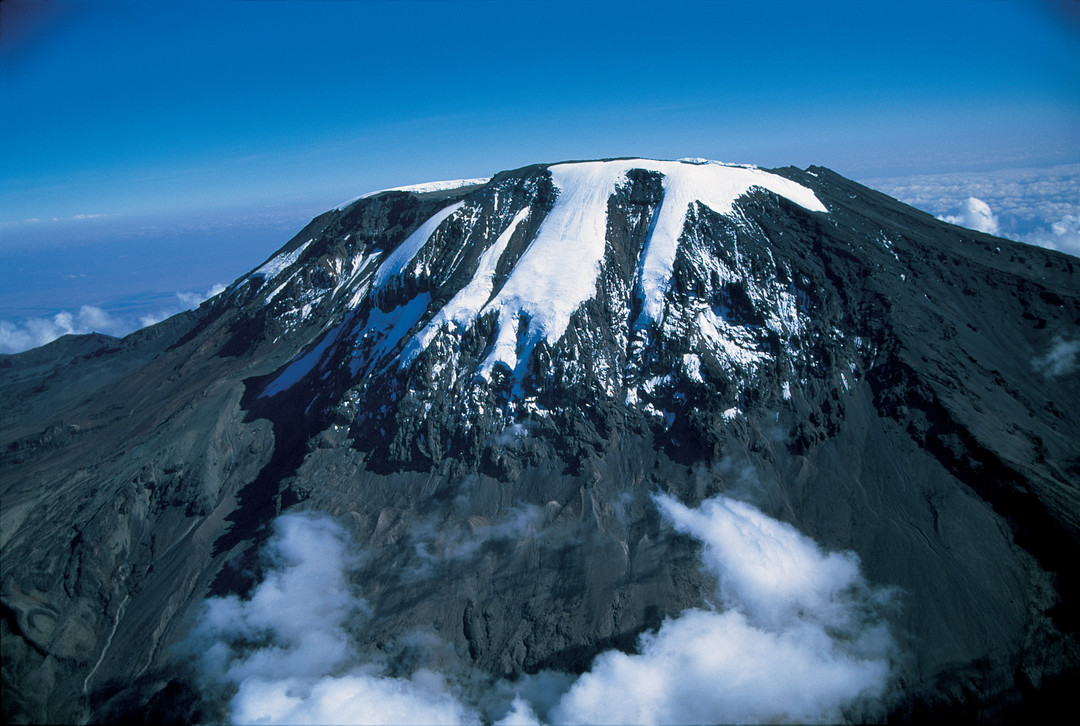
x=794 y=634
x=1062 y=235
x=1038 y=206
x=18 y=336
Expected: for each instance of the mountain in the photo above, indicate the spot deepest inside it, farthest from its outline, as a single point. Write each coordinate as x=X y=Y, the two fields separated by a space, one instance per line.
x=475 y=439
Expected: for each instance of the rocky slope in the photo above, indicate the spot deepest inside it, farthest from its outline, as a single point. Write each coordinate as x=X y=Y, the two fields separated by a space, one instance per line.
x=488 y=383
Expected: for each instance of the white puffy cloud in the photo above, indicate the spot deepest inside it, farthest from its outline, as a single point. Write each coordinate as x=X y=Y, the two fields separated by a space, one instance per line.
x=285 y=654
x=520 y=714
x=800 y=636
x=1062 y=235
x=32 y=332
x=359 y=697
x=795 y=635
x=194 y=299
x=300 y=607
x=974 y=214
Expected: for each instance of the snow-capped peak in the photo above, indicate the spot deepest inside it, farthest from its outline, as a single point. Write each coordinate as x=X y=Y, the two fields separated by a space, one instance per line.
x=559 y=270
x=527 y=271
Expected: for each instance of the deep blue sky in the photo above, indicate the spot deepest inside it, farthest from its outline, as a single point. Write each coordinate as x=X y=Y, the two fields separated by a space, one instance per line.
x=237 y=120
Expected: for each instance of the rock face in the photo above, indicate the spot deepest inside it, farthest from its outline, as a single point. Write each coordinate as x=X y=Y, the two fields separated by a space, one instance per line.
x=552 y=347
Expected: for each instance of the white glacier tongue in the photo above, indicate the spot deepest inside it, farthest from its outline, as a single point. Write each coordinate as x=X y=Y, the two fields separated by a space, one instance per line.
x=717 y=186
x=280 y=262
x=404 y=253
x=462 y=308
x=558 y=271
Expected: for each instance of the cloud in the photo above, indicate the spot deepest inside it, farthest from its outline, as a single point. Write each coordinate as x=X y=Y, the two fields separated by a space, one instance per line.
x=1063 y=235
x=974 y=214
x=32 y=332
x=357 y=697
x=47 y=220
x=436 y=544
x=1027 y=203
x=1060 y=360
x=300 y=608
x=794 y=634
x=797 y=635
x=194 y=299
x=520 y=714
x=28 y=333
x=512 y=434
x=285 y=653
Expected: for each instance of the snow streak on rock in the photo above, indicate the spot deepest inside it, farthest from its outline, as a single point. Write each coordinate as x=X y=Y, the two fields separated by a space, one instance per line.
x=279 y=263
x=462 y=309
x=404 y=253
x=717 y=186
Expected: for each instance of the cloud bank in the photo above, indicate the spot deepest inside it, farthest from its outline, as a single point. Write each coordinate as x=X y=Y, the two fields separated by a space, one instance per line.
x=1062 y=235
x=1038 y=206
x=32 y=332
x=794 y=634
x=18 y=336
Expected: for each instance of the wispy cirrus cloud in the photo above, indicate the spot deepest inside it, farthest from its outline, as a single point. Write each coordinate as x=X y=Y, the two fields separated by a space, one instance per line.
x=46 y=220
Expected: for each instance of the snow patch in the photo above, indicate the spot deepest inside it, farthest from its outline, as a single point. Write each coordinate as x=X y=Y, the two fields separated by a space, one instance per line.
x=407 y=250
x=692 y=366
x=279 y=263
x=383 y=331
x=560 y=269
x=714 y=185
x=543 y=291
x=435 y=186
x=466 y=305
x=732 y=343
x=300 y=367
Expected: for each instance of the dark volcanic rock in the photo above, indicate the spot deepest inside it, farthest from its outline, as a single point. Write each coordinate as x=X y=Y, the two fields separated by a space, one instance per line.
x=876 y=378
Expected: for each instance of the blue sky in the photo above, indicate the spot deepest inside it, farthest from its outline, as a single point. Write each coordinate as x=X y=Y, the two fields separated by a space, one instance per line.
x=155 y=147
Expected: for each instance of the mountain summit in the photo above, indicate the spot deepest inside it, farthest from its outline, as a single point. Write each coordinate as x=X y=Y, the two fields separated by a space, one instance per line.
x=508 y=443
